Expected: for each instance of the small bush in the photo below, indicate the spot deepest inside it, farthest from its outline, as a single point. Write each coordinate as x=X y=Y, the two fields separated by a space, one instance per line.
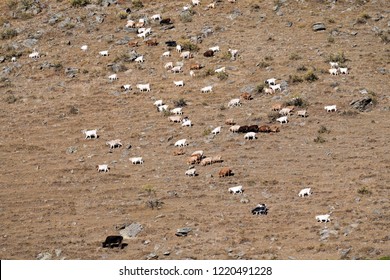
x=323 y=129
x=272 y=116
x=79 y=3
x=297 y=102
x=295 y=79
x=319 y=139
x=310 y=76
x=263 y=64
x=8 y=34
x=10 y=99
x=180 y=103
x=222 y=76
x=268 y=58
x=330 y=39
x=295 y=56
x=302 y=68
x=187 y=45
x=186 y=17
x=338 y=57
x=206 y=132
x=12 y=4
x=122 y=15
x=259 y=88
x=154 y=203
x=209 y=72
x=384 y=258
x=137 y=4
x=364 y=190
x=149 y=190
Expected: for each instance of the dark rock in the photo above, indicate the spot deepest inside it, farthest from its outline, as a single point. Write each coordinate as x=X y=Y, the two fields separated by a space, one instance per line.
x=319 y=26
x=2 y=59
x=71 y=71
x=289 y=24
x=362 y=104
x=207 y=31
x=183 y=231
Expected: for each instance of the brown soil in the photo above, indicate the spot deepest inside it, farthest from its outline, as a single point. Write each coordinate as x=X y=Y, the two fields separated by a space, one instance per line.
x=52 y=199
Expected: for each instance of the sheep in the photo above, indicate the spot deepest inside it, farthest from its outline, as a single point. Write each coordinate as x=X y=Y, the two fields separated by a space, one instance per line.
x=34 y=55
x=243 y=129
x=156 y=17
x=114 y=143
x=103 y=168
x=175 y=119
x=126 y=87
x=282 y=119
x=193 y=159
x=103 y=53
x=195 y=2
x=181 y=143
x=276 y=107
x=302 y=113
x=235 y=190
x=176 y=69
x=162 y=108
x=253 y=128
x=171 y=43
x=230 y=121
x=130 y=23
x=285 y=112
x=179 y=83
x=232 y=1
x=208 y=53
x=265 y=129
x=113 y=77
x=275 y=87
x=211 y=5
x=233 y=54
x=178 y=152
x=84 y=48
x=166 y=21
x=177 y=111
x=269 y=91
x=199 y=153
x=141 y=30
x=270 y=81
x=113 y=241
x=215 y=159
x=216 y=130
x=192 y=73
x=143 y=87
x=334 y=65
x=168 y=65
x=234 y=103
x=305 y=192
x=136 y=160
x=196 y=66
x=166 y=54
x=191 y=172
x=186 y=122
x=343 y=71
x=234 y=128
x=225 y=171
x=186 y=55
x=260 y=209
x=220 y=70
x=334 y=71
x=330 y=108
x=178 y=48
x=90 y=133
x=151 y=42
x=158 y=103
x=13 y=59
x=139 y=59
x=275 y=128
x=133 y=44
x=250 y=136
x=214 y=49
x=206 y=89
x=206 y=161
x=323 y=218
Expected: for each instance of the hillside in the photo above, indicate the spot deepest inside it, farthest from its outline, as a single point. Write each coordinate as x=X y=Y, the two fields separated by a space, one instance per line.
x=56 y=205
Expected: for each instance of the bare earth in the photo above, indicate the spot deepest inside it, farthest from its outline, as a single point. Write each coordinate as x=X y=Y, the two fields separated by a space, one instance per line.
x=54 y=201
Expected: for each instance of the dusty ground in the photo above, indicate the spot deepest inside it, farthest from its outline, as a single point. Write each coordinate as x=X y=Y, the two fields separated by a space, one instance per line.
x=53 y=201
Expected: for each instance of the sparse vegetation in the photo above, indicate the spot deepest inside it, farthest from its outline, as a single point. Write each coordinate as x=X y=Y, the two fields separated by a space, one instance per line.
x=310 y=76
x=8 y=33
x=295 y=56
x=319 y=139
x=364 y=191
x=272 y=116
x=79 y=3
x=297 y=102
x=338 y=57
x=122 y=15
x=302 y=68
x=259 y=88
x=330 y=39
x=222 y=76
x=323 y=129
x=180 y=103
x=186 y=16
x=187 y=45
x=207 y=131
x=295 y=79
x=137 y=4
x=263 y=64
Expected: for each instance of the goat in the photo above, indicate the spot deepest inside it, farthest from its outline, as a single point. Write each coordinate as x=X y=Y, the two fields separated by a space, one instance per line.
x=151 y=42
x=334 y=65
x=206 y=161
x=179 y=83
x=271 y=81
x=214 y=49
x=192 y=73
x=166 y=21
x=282 y=119
x=139 y=59
x=13 y=59
x=233 y=54
x=178 y=152
x=253 y=128
x=260 y=209
x=234 y=102
x=186 y=122
x=177 y=111
x=285 y=111
x=206 y=89
x=243 y=129
x=176 y=69
x=334 y=71
x=269 y=91
x=275 y=87
x=166 y=54
x=199 y=153
x=158 y=103
x=113 y=77
x=178 y=48
x=250 y=136
x=211 y=6
x=175 y=119
x=208 y=53
x=323 y=218
x=225 y=171
x=305 y=192
x=90 y=133
x=136 y=160
x=103 y=168
x=103 y=53
x=143 y=87
x=126 y=87
x=181 y=143
x=168 y=65
x=235 y=190
x=246 y=96
x=216 y=130
x=171 y=43
x=302 y=113
x=130 y=23
x=186 y=55
x=34 y=55
x=276 y=107
x=114 y=143
x=156 y=17
x=113 y=241
x=265 y=129
x=234 y=128
x=330 y=108
x=191 y=172
x=220 y=70
x=230 y=121
x=343 y=71
x=194 y=159
x=84 y=48
x=196 y=66
x=195 y=2
x=162 y=108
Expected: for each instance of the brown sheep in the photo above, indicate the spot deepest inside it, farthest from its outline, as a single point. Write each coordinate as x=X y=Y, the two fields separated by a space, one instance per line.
x=265 y=129
x=276 y=107
x=206 y=161
x=194 y=159
x=215 y=159
x=151 y=42
x=226 y=171
x=246 y=96
x=133 y=44
x=178 y=152
x=196 y=66
x=208 y=53
x=275 y=128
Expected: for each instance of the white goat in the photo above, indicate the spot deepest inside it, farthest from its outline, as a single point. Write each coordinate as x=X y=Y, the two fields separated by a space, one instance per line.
x=103 y=168
x=34 y=55
x=302 y=113
x=158 y=103
x=323 y=218
x=136 y=160
x=143 y=87
x=114 y=143
x=330 y=108
x=113 y=77
x=179 y=83
x=271 y=81
x=191 y=172
x=283 y=119
x=206 y=89
x=177 y=69
x=234 y=102
x=216 y=130
x=166 y=54
x=90 y=133
x=195 y=2
x=186 y=122
x=305 y=192
x=181 y=143
x=156 y=17
x=234 y=128
x=233 y=53
x=334 y=64
x=275 y=87
x=168 y=65
x=235 y=190
x=126 y=87
x=84 y=48
x=162 y=108
x=334 y=71
x=220 y=70
x=139 y=59
x=192 y=73
x=175 y=119
x=250 y=136
x=186 y=55
x=343 y=70
x=178 y=48
x=177 y=111
x=103 y=53
x=130 y=23
x=214 y=49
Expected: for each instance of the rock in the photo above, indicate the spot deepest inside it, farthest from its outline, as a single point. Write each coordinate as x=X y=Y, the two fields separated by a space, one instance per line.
x=2 y=59
x=71 y=72
x=44 y=256
x=289 y=24
x=131 y=230
x=206 y=31
x=152 y=256
x=71 y=150
x=247 y=88
x=279 y=13
x=99 y=19
x=362 y=104
x=29 y=43
x=319 y=26
x=58 y=252
x=344 y=252
x=167 y=253
x=183 y=231
x=117 y=67
x=382 y=71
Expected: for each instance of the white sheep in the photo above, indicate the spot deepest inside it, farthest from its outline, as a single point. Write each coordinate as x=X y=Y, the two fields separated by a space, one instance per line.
x=179 y=83
x=234 y=128
x=216 y=130
x=158 y=103
x=285 y=111
x=302 y=113
x=139 y=59
x=181 y=143
x=214 y=49
x=113 y=77
x=186 y=122
x=323 y=218
x=156 y=17
x=305 y=192
x=186 y=55
x=177 y=69
x=177 y=111
x=234 y=102
x=233 y=53
x=143 y=87
x=103 y=53
x=250 y=136
x=103 y=168
x=175 y=119
x=162 y=108
x=334 y=71
x=343 y=70
x=191 y=172
x=126 y=87
x=283 y=119
x=270 y=81
x=275 y=87
x=235 y=190
x=130 y=23
x=84 y=48
x=334 y=64
x=195 y=2
x=330 y=108
x=168 y=65
x=136 y=160
x=166 y=54
x=206 y=89
x=178 y=48
x=220 y=70
x=13 y=59
x=90 y=133
x=34 y=55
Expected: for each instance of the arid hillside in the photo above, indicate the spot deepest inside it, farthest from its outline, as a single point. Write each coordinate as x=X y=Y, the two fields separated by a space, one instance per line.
x=56 y=205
